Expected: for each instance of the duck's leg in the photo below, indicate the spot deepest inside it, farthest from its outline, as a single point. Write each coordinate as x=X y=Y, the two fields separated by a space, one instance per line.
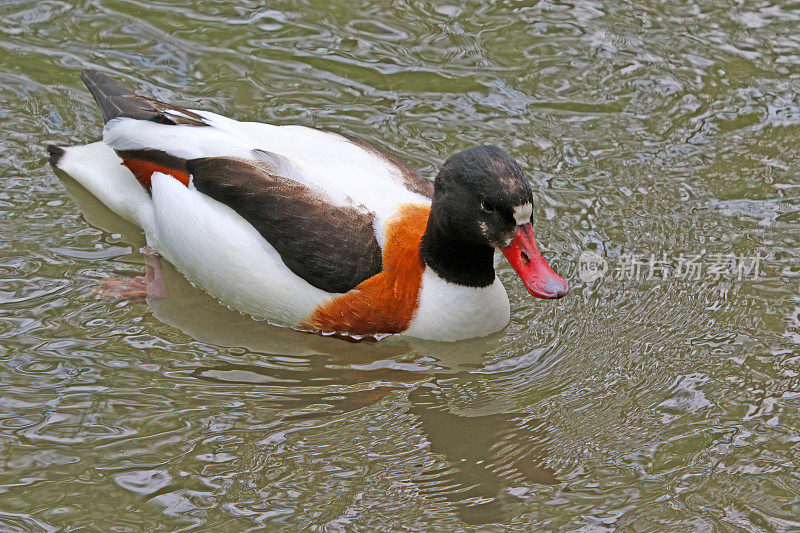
x=151 y=285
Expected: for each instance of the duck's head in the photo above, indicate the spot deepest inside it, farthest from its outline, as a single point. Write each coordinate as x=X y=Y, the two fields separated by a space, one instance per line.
x=481 y=202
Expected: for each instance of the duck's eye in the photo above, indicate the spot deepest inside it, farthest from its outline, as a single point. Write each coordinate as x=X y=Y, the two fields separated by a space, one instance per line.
x=486 y=207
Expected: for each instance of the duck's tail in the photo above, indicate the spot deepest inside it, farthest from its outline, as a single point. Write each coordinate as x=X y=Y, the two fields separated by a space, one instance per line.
x=116 y=100
x=99 y=170
x=56 y=153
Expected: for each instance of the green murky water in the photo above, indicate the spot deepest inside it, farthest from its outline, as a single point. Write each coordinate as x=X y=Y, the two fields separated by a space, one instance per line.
x=647 y=400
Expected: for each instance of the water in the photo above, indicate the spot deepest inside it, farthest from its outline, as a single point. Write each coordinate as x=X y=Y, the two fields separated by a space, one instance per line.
x=664 y=128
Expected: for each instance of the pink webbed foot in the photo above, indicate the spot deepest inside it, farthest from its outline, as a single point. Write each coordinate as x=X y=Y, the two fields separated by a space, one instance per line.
x=139 y=288
x=122 y=288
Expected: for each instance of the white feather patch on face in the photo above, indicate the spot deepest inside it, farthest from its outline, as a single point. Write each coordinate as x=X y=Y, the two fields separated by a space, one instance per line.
x=522 y=213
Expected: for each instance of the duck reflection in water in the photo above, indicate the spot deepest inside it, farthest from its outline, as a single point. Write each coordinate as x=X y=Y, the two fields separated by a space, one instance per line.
x=486 y=455
x=483 y=455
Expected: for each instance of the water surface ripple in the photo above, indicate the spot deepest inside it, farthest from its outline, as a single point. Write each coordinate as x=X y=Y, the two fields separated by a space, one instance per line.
x=664 y=128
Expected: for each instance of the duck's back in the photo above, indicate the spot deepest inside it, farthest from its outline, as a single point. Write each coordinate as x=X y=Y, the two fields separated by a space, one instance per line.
x=348 y=170
x=277 y=221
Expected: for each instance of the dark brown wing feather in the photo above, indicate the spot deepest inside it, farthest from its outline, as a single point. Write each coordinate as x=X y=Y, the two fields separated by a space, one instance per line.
x=116 y=100
x=333 y=248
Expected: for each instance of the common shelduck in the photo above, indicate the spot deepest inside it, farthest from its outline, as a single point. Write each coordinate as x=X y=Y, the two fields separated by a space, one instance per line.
x=312 y=229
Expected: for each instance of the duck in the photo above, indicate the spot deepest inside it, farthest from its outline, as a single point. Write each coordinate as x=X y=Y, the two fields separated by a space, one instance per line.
x=313 y=229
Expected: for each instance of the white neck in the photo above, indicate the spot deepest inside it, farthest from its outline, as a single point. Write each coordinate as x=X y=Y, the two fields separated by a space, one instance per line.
x=450 y=312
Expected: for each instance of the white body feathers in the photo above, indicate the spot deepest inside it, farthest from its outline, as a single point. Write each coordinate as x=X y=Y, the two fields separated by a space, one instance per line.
x=220 y=251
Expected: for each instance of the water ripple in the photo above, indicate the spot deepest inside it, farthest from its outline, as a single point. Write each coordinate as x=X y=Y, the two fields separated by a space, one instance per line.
x=634 y=404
